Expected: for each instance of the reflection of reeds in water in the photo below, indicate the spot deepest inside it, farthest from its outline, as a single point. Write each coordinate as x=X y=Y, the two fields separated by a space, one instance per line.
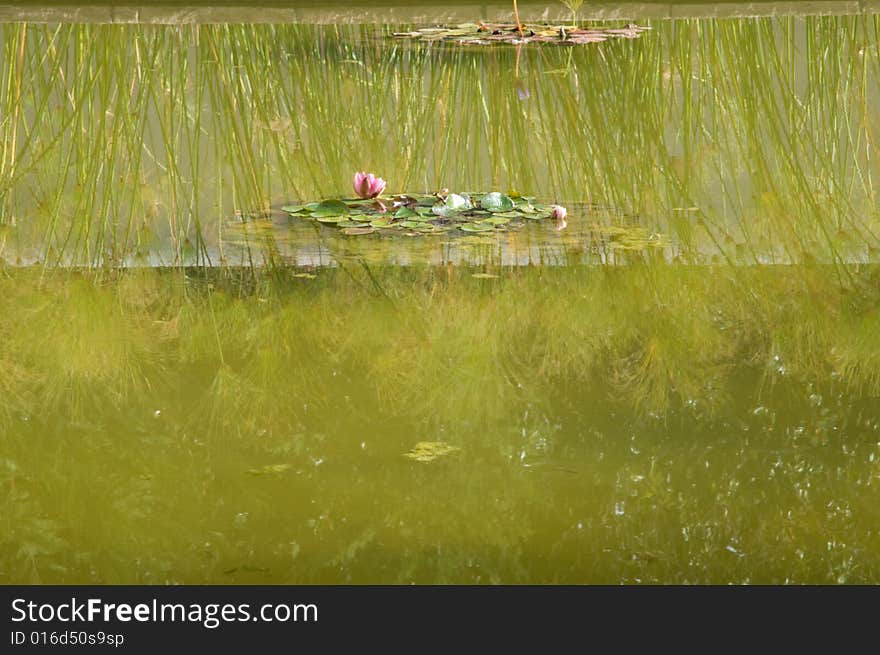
x=178 y=408
x=750 y=140
x=429 y=343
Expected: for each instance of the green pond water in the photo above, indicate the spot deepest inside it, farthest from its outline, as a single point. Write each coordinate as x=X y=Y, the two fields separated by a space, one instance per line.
x=682 y=386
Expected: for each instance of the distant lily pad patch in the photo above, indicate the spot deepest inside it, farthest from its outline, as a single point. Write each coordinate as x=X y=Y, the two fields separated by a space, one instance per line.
x=499 y=33
x=630 y=237
x=423 y=214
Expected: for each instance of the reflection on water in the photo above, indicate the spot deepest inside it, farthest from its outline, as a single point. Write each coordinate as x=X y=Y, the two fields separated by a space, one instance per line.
x=701 y=403
x=585 y=425
x=596 y=236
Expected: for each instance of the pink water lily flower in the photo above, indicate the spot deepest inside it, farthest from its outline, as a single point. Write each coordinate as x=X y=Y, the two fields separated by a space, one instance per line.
x=367 y=185
x=558 y=213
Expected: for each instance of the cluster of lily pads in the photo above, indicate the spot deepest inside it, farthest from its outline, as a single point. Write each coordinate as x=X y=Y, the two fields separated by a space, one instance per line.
x=491 y=33
x=415 y=214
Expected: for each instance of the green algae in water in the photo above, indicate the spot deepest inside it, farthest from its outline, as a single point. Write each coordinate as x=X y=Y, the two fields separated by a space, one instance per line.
x=428 y=451
x=722 y=421
x=270 y=469
x=726 y=385
x=660 y=400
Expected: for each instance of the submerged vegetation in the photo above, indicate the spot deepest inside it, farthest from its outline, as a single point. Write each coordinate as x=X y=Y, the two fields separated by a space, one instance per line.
x=582 y=425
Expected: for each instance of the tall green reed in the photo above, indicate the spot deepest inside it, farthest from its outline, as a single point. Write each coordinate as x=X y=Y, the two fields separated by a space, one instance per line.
x=746 y=140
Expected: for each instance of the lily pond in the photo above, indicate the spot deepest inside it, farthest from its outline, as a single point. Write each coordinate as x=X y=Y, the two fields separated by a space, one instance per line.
x=350 y=299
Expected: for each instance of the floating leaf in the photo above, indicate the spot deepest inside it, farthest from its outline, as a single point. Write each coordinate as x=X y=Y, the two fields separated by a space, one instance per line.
x=330 y=208
x=356 y=231
x=428 y=451
x=476 y=227
x=424 y=214
x=270 y=469
x=453 y=204
x=496 y=202
x=496 y=220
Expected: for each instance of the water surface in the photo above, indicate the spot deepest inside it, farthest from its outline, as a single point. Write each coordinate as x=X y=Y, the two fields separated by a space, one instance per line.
x=683 y=386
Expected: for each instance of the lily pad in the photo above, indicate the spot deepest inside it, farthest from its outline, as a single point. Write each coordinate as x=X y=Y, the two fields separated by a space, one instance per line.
x=412 y=224
x=476 y=227
x=330 y=208
x=454 y=204
x=496 y=220
x=496 y=202
x=498 y=33
x=421 y=213
x=443 y=211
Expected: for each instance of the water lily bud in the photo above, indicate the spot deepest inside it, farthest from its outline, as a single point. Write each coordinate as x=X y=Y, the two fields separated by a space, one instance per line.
x=558 y=213
x=367 y=185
